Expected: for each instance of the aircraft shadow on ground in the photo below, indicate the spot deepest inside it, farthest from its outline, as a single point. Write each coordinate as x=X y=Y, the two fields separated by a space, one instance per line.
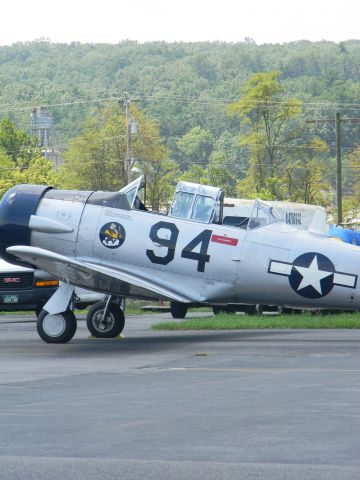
x=156 y=343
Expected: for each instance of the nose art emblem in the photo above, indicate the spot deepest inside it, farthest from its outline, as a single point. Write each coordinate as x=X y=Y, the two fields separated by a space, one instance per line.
x=112 y=235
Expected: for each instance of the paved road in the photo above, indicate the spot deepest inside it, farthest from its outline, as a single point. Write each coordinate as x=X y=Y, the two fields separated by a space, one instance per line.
x=179 y=405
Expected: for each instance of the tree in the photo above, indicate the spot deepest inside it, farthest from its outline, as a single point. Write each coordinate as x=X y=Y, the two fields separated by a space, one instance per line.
x=265 y=114
x=219 y=174
x=215 y=174
x=39 y=171
x=232 y=154
x=195 y=174
x=21 y=160
x=7 y=166
x=96 y=159
x=17 y=144
x=195 y=147
x=305 y=176
x=160 y=178
x=351 y=203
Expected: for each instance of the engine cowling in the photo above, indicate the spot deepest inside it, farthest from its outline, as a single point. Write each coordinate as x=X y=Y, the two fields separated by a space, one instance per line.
x=16 y=208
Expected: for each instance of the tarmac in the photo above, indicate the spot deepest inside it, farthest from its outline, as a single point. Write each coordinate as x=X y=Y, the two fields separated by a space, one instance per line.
x=251 y=404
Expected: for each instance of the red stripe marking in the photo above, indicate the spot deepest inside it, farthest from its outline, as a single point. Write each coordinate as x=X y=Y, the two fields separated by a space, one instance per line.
x=225 y=240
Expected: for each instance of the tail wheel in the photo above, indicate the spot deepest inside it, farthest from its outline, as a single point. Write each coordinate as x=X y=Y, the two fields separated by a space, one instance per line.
x=109 y=327
x=56 y=328
x=178 y=310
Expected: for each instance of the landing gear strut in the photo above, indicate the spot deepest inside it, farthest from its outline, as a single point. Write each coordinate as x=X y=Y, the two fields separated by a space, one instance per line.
x=105 y=319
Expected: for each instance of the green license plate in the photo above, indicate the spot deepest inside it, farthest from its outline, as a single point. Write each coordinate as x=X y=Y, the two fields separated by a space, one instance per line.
x=10 y=298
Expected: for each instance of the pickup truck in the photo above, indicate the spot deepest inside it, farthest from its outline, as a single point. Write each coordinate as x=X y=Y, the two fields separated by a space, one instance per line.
x=23 y=288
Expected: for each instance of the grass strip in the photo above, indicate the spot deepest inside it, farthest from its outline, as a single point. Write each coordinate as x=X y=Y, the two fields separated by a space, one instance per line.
x=245 y=322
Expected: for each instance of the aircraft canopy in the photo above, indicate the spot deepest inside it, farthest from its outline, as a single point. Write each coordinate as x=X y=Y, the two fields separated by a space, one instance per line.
x=262 y=214
x=201 y=203
x=197 y=202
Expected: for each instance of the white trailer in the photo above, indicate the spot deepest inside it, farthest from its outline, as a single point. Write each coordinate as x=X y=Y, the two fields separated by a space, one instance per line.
x=299 y=215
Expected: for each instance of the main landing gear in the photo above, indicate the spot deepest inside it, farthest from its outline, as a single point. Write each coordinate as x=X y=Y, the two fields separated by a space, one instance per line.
x=56 y=327
x=105 y=319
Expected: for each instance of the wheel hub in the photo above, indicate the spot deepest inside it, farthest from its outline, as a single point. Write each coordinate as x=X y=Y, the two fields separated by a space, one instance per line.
x=103 y=324
x=54 y=325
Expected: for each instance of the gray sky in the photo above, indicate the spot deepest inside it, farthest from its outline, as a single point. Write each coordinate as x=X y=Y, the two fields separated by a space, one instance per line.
x=266 y=21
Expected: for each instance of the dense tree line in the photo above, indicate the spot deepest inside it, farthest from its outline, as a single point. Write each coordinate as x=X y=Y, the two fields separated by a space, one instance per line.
x=194 y=93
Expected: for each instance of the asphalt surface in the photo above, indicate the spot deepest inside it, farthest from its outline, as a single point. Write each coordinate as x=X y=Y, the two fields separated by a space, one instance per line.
x=179 y=405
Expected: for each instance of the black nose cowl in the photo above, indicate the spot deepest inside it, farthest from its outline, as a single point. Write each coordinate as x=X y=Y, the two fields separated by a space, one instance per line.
x=16 y=207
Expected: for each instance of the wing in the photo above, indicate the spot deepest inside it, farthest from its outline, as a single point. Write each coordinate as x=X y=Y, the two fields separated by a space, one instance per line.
x=96 y=277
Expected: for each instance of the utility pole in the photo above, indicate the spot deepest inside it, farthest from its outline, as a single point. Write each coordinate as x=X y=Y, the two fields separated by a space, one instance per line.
x=338 y=121
x=131 y=129
x=338 y=168
x=128 y=137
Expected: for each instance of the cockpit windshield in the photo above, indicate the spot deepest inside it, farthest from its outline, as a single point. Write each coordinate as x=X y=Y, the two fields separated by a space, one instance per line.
x=182 y=205
x=203 y=208
x=262 y=214
x=131 y=195
x=135 y=193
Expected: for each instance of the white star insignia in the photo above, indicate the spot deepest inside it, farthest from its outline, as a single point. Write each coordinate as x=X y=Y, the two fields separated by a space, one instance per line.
x=312 y=275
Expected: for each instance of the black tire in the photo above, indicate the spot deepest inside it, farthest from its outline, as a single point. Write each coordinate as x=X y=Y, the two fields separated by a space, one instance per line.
x=178 y=310
x=56 y=328
x=111 y=327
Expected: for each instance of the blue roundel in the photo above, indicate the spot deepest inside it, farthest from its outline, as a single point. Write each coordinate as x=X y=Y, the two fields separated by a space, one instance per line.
x=312 y=275
x=112 y=235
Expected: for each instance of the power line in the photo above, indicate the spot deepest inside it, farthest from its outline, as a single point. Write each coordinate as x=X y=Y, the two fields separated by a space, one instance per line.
x=115 y=161
x=103 y=140
x=19 y=106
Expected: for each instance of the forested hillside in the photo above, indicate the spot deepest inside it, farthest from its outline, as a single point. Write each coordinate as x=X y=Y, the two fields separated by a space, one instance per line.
x=186 y=87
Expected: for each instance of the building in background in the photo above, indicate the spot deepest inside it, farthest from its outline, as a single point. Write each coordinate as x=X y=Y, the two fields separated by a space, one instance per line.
x=42 y=127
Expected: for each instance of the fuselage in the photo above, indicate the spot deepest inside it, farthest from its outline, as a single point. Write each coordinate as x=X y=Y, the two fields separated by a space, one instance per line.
x=207 y=262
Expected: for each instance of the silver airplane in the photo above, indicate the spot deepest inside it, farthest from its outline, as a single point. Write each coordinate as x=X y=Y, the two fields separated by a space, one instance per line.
x=110 y=243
